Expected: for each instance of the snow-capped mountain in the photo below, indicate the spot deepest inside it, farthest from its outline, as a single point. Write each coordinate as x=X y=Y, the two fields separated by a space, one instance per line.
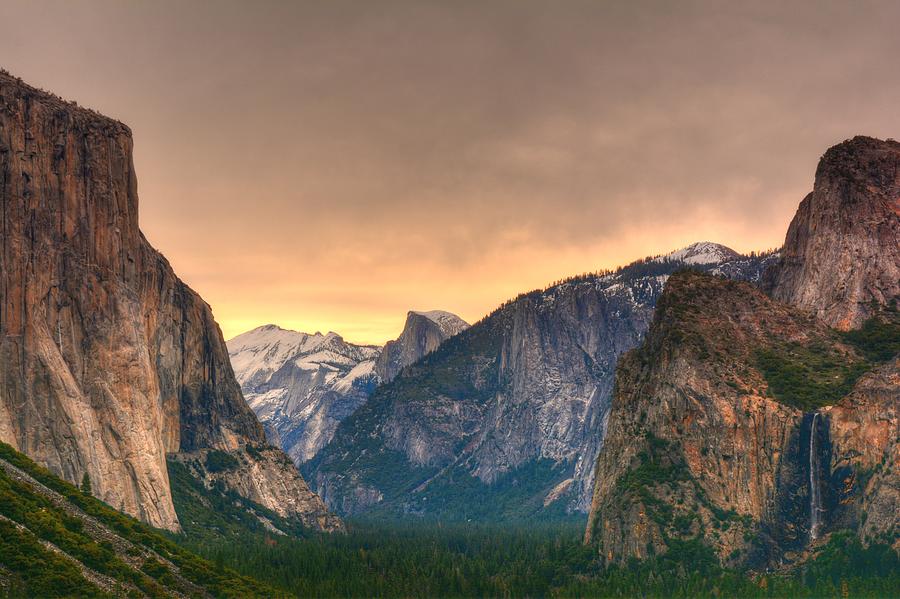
x=702 y=252
x=302 y=386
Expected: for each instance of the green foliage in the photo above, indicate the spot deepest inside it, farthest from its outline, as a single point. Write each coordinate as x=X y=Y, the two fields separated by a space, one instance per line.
x=220 y=461
x=844 y=558
x=879 y=337
x=517 y=495
x=21 y=503
x=532 y=560
x=809 y=376
x=254 y=452
x=396 y=560
x=689 y=569
x=86 y=484
x=817 y=374
x=36 y=571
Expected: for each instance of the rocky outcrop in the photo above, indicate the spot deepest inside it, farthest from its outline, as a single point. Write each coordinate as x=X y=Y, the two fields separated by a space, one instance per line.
x=107 y=360
x=841 y=256
x=864 y=435
x=512 y=410
x=422 y=334
x=751 y=425
x=265 y=476
x=700 y=444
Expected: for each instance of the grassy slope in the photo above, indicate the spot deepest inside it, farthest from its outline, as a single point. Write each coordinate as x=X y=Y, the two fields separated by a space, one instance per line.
x=102 y=547
x=816 y=374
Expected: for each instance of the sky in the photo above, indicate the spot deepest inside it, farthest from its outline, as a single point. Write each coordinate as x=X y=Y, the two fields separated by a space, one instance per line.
x=328 y=166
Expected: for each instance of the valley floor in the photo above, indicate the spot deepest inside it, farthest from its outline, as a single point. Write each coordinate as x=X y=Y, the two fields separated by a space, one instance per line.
x=381 y=559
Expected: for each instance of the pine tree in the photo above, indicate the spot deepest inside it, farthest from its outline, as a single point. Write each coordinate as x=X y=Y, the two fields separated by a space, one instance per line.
x=86 y=484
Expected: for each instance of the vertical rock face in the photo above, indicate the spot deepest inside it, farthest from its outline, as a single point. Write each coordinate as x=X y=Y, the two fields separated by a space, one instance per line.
x=507 y=417
x=864 y=432
x=696 y=443
x=740 y=423
x=107 y=360
x=841 y=256
x=752 y=425
x=422 y=334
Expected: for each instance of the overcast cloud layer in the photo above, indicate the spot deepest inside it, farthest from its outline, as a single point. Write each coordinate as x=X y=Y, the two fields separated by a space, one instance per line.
x=331 y=165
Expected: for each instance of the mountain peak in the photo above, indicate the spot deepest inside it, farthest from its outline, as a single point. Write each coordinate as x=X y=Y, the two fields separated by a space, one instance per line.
x=423 y=332
x=841 y=256
x=701 y=252
x=269 y=327
x=449 y=323
x=301 y=386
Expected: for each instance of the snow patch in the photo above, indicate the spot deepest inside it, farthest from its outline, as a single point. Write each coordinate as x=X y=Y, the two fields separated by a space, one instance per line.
x=449 y=323
x=702 y=252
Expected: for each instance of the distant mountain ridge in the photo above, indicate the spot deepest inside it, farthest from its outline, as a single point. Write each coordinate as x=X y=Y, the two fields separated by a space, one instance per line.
x=302 y=386
x=514 y=406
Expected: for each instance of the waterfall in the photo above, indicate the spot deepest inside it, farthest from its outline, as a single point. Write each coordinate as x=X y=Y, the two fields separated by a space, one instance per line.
x=814 y=508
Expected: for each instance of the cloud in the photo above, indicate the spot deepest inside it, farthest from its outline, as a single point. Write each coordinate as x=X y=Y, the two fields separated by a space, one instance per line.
x=337 y=163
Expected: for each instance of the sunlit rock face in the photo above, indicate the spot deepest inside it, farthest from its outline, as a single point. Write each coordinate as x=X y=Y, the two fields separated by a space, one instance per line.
x=841 y=257
x=756 y=425
x=107 y=360
x=693 y=412
x=701 y=446
x=513 y=409
x=302 y=386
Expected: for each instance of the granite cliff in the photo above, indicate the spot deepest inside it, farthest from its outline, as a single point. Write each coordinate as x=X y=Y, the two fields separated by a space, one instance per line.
x=422 y=334
x=108 y=361
x=757 y=425
x=841 y=256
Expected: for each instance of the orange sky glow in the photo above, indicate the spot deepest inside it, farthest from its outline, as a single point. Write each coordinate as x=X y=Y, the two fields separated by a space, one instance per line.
x=328 y=166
